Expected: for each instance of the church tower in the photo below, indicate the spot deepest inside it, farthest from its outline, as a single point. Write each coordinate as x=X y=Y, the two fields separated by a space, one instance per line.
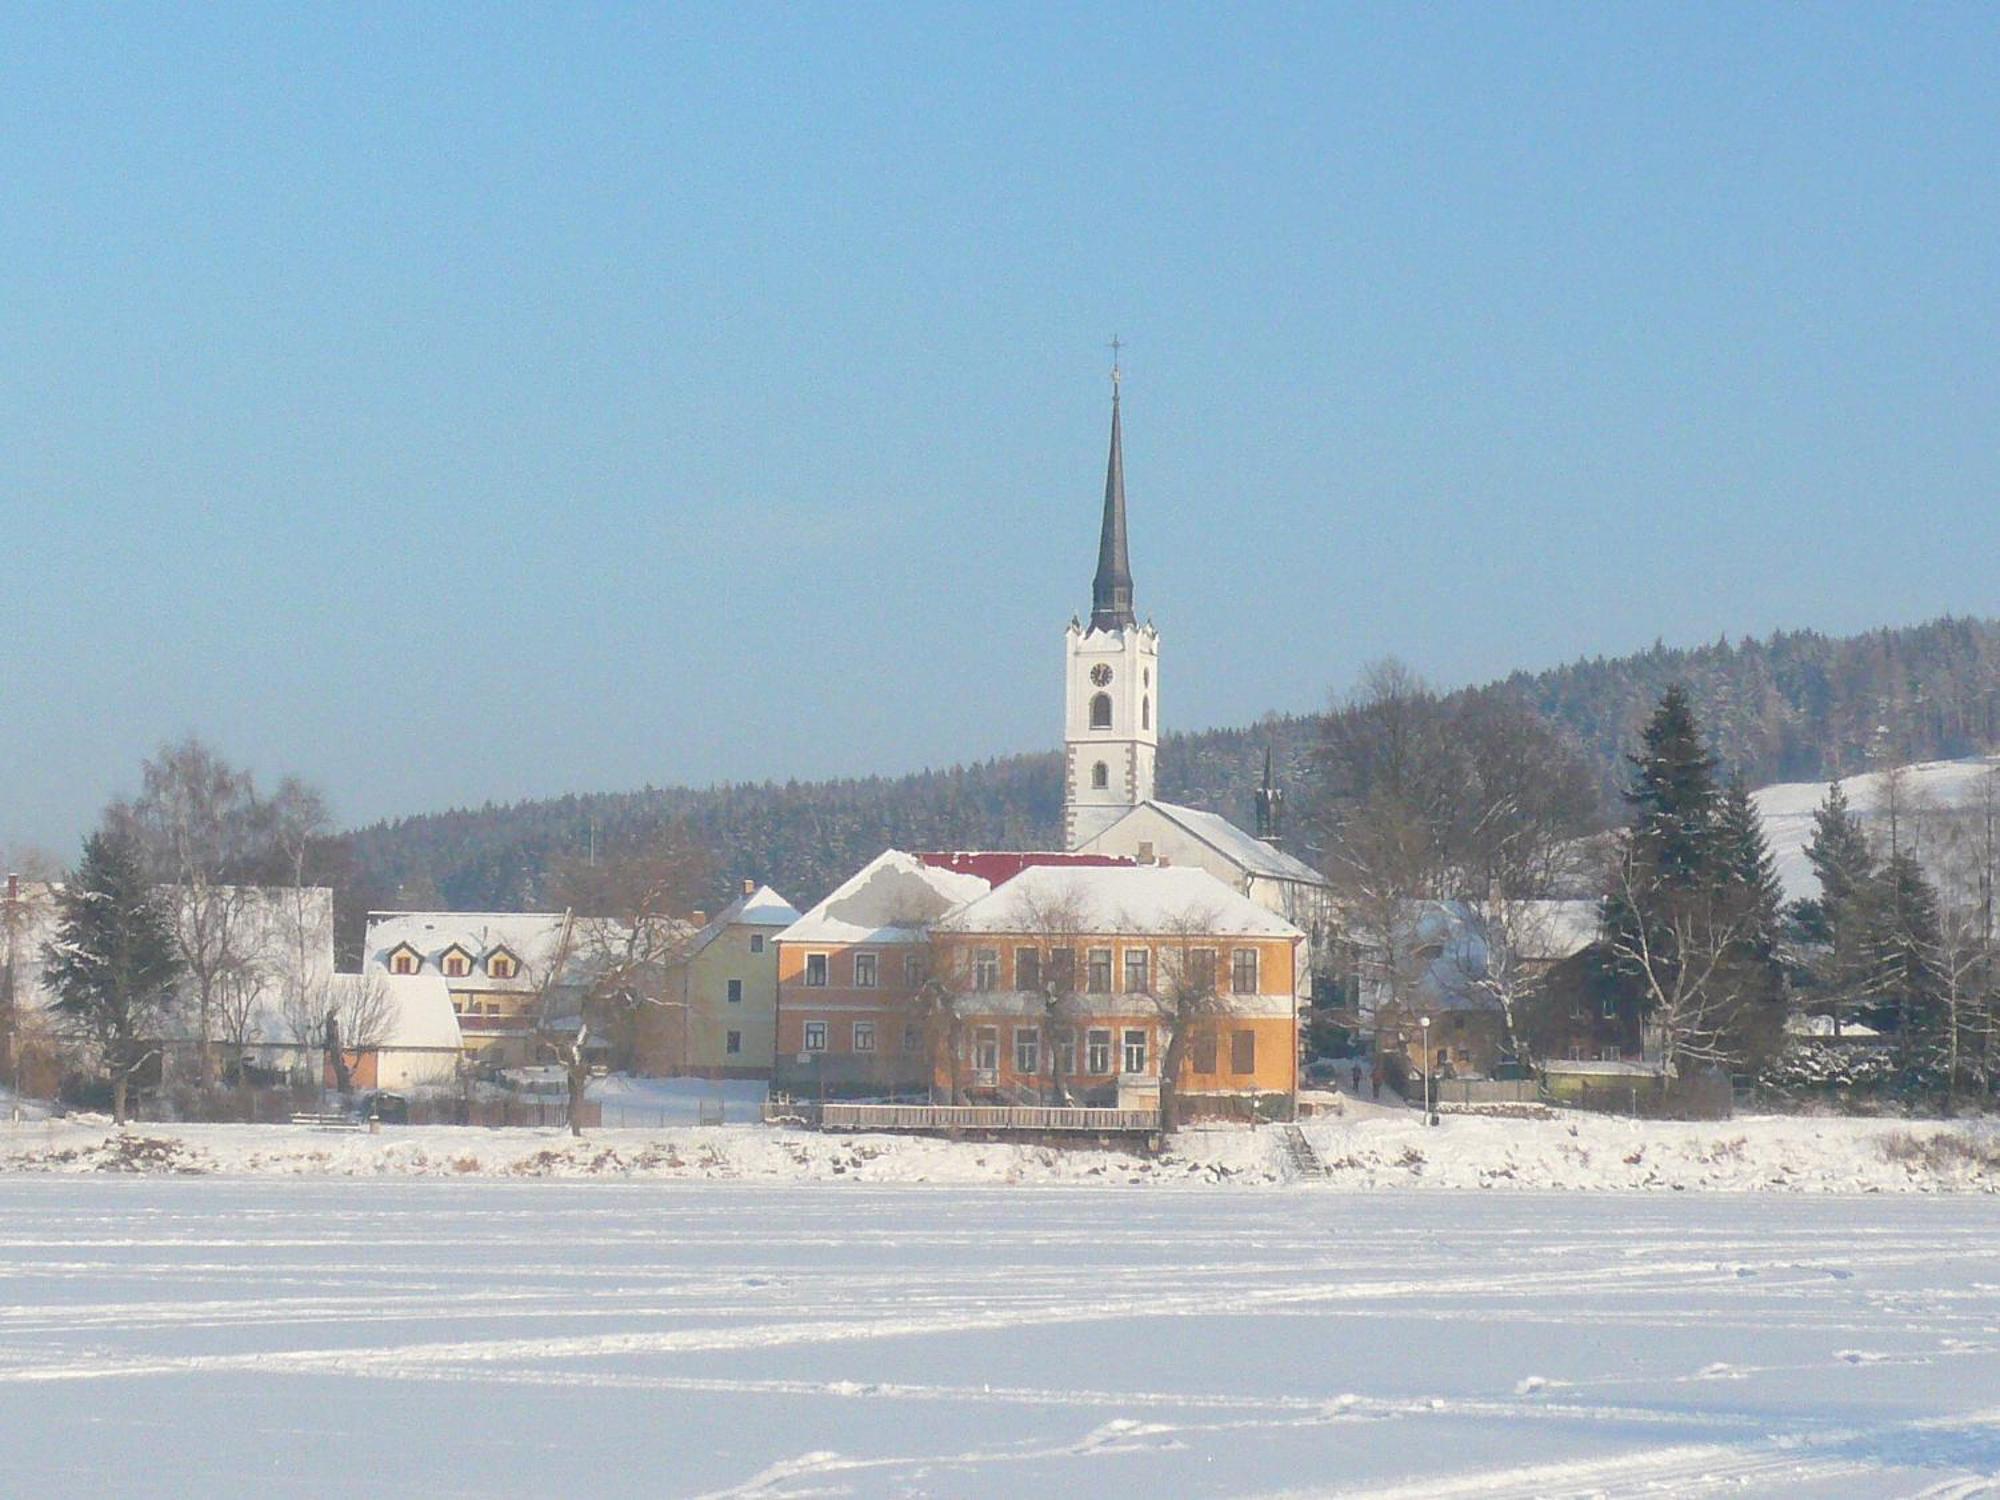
x=1112 y=699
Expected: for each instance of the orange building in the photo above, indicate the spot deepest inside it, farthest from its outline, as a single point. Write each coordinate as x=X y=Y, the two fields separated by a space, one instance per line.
x=852 y=976
x=1075 y=984
x=1066 y=981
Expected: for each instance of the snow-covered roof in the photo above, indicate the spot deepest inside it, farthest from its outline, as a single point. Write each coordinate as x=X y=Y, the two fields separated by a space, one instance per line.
x=531 y=937
x=418 y=1005
x=892 y=899
x=1823 y=1026
x=1143 y=900
x=1246 y=851
x=762 y=907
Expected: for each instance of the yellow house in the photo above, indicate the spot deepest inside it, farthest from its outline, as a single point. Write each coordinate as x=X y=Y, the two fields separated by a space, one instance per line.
x=720 y=1015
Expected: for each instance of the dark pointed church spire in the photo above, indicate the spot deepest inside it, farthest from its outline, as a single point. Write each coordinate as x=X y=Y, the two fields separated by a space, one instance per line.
x=1111 y=592
x=1270 y=805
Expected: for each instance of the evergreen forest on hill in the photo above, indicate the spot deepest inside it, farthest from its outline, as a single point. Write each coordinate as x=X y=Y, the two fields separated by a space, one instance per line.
x=1795 y=706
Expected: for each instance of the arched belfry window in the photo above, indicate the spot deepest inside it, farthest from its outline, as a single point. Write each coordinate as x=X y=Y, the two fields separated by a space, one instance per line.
x=1100 y=776
x=1145 y=713
x=1100 y=711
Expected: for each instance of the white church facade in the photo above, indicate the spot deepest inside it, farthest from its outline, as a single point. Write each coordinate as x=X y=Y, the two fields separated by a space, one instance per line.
x=1111 y=736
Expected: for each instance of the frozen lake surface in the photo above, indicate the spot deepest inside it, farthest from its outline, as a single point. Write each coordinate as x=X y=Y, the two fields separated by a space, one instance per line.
x=439 y=1339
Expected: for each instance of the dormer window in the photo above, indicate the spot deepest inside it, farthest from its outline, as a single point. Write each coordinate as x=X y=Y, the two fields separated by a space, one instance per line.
x=405 y=960
x=455 y=964
x=1100 y=711
x=500 y=964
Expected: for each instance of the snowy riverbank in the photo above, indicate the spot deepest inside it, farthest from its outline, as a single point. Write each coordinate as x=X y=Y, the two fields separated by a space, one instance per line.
x=1369 y=1150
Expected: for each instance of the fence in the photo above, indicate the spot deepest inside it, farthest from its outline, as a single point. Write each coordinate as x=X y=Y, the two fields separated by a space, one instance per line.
x=1483 y=1091
x=1008 y=1118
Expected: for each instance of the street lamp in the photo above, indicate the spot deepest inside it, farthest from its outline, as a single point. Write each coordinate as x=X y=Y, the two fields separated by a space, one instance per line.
x=1430 y=1107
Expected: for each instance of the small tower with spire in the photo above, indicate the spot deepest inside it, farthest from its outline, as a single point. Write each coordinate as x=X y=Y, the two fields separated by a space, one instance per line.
x=1111 y=720
x=1270 y=805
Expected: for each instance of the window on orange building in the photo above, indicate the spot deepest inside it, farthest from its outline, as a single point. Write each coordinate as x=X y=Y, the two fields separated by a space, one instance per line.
x=815 y=971
x=864 y=971
x=1097 y=972
x=1027 y=968
x=1243 y=971
x=815 y=1036
x=1242 y=1052
x=1097 y=1053
x=1204 y=1051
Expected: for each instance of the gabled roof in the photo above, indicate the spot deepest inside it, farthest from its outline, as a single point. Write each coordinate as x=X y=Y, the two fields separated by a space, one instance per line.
x=531 y=937
x=894 y=898
x=1140 y=900
x=762 y=907
x=1246 y=851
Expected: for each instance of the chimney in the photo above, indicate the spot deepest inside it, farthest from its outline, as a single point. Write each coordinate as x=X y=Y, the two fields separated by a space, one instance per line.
x=749 y=886
x=698 y=917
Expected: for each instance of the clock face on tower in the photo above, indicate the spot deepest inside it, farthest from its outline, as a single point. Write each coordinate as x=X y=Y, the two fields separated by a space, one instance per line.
x=1101 y=675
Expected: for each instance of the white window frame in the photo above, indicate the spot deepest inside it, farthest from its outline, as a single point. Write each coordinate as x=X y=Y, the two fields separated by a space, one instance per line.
x=825 y=966
x=986 y=969
x=1027 y=1051
x=869 y=960
x=1145 y=965
x=1097 y=1052
x=1134 y=1053
x=815 y=1036
x=864 y=1036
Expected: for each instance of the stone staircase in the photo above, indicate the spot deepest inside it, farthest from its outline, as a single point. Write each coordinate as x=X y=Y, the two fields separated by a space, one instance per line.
x=1302 y=1163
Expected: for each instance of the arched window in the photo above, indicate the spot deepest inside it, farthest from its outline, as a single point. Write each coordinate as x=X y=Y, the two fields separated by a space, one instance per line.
x=1100 y=711
x=1100 y=776
x=1145 y=713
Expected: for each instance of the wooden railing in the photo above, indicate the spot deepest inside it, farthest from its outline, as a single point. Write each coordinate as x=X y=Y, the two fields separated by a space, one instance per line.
x=1002 y=1117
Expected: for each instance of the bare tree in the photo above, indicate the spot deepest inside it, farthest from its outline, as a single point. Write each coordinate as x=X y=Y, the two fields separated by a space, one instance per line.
x=1476 y=801
x=202 y=832
x=1184 y=997
x=1682 y=953
x=1054 y=922
x=621 y=943
x=25 y=907
x=339 y=1017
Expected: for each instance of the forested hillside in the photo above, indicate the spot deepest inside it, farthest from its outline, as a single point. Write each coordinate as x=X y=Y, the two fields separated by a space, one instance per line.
x=1796 y=706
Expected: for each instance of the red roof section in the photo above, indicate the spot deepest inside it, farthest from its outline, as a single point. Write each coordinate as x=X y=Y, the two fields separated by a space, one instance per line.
x=998 y=866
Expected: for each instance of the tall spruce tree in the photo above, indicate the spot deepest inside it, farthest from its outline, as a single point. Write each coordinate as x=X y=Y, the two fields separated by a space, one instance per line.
x=1905 y=941
x=1691 y=923
x=113 y=962
x=1673 y=796
x=1837 y=928
x=1749 y=876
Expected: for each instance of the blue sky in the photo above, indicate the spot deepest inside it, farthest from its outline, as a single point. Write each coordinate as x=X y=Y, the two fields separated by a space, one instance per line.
x=464 y=405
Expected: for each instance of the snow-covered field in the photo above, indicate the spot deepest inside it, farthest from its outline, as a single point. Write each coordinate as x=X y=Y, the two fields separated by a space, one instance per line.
x=207 y=1337
x=1786 y=808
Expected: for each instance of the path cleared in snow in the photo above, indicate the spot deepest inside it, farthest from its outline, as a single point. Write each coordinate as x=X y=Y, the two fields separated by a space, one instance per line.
x=207 y=1337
